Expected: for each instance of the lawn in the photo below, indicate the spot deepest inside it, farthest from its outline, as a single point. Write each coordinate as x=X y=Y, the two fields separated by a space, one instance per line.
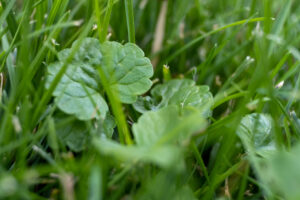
x=150 y=99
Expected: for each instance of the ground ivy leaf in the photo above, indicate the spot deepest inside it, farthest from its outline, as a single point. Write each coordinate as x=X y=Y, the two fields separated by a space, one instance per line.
x=106 y=126
x=76 y=134
x=158 y=135
x=182 y=92
x=73 y=134
x=255 y=131
x=164 y=156
x=127 y=70
x=167 y=125
x=281 y=173
x=79 y=91
x=145 y=104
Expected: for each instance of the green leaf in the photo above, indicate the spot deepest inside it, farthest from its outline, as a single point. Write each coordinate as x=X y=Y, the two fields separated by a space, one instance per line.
x=281 y=173
x=76 y=134
x=168 y=125
x=72 y=133
x=183 y=92
x=163 y=156
x=159 y=135
x=145 y=104
x=127 y=70
x=106 y=126
x=79 y=91
x=255 y=131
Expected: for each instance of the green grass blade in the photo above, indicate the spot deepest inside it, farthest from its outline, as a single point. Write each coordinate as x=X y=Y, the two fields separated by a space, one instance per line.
x=130 y=20
x=198 y=39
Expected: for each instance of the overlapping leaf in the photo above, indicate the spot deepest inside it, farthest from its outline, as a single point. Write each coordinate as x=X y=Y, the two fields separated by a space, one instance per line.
x=79 y=91
x=277 y=170
x=127 y=70
x=182 y=92
x=164 y=156
x=76 y=134
x=255 y=131
x=158 y=136
x=281 y=173
x=168 y=125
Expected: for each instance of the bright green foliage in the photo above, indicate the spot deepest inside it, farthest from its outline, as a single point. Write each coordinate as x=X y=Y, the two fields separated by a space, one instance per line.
x=279 y=170
x=77 y=135
x=126 y=69
x=256 y=133
x=282 y=173
x=80 y=119
x=182 y=92
x=157 y=135
x=170 y=124
x=74 y=134
x=79 y=91
x=106 y=126
x=167 y=156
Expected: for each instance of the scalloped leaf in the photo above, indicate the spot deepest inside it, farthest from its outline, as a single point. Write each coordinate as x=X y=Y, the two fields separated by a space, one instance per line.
x=79 y=91
x=72 y=132
x=181 y=92
x=170 y=124
x=77 y=134
x=164 y=156
x=127 y=70
x=255 y=131
x=158 y=135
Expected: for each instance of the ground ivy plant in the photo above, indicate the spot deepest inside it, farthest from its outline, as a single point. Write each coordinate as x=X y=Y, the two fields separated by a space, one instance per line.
x=80 y=92
x=176 y=109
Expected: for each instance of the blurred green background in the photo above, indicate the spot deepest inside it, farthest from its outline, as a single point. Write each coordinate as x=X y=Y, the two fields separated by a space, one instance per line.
x=246 y=51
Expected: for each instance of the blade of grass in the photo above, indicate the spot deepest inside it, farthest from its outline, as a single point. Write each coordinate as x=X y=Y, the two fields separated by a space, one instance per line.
x=200 y=161
x=106 y=20
x=116 y=105
x=280 y=21
x=9 y=17
x=198 y=39
x=130 y=20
